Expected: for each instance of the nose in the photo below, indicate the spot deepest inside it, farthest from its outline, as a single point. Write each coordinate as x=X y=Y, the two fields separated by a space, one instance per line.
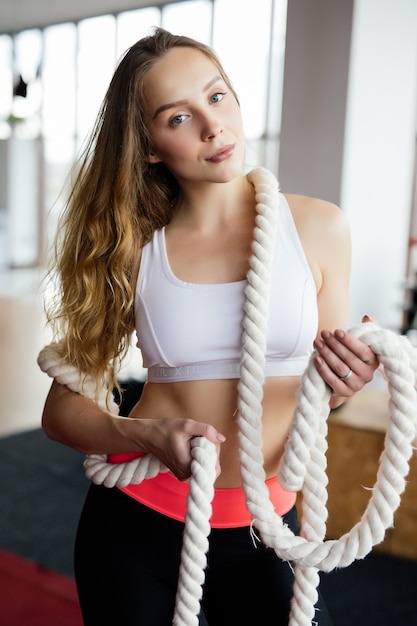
x=211 y=128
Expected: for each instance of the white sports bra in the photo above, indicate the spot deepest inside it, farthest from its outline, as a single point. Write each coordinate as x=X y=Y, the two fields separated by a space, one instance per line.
x=189 y=331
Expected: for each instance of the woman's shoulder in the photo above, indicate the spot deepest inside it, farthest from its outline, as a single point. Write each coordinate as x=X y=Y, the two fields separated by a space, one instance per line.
x=321 y=217
x=324 y=232
x=315 y=207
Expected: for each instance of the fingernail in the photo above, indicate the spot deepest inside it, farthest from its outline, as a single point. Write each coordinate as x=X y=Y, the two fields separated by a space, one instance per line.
x=339 y=333
x=221 y=438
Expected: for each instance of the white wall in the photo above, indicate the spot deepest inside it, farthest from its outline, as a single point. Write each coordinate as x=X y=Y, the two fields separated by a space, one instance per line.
x=377 y=176
x=349 y=130
x=316 y=70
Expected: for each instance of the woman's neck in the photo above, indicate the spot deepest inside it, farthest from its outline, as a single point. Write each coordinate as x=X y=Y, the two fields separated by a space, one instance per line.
x=210 y=206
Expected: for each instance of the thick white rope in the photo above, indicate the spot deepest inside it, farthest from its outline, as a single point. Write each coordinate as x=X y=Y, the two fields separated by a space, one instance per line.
x=250 y=390
x=196 y=531
x=303 y=466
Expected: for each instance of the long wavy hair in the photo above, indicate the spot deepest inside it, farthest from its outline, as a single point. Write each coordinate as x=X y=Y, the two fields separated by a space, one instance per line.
x=117 y=200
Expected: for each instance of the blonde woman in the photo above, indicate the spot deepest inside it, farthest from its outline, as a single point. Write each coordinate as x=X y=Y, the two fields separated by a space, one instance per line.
x=156 y=239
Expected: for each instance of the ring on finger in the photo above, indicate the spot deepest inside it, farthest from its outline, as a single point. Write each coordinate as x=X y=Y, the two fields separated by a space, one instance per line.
x=347 y=376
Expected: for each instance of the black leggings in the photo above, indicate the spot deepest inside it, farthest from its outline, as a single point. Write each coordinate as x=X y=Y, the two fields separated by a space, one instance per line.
x=126 y=565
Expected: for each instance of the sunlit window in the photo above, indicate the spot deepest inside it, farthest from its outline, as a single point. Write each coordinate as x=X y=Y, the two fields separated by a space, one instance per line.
x=133 y=25
x=27 y=89
x=59 y=81
x=248 y=69
x=95 y=66
x=271 y=143
x=52 y=81
x=6 y=84
x=58 y=113
x=193 y=19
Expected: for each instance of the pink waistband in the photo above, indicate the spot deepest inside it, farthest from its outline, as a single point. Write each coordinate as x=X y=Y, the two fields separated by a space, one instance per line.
x=168 y=495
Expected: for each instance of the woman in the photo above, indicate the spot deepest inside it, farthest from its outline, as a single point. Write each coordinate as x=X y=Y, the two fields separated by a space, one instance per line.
x=162 y=188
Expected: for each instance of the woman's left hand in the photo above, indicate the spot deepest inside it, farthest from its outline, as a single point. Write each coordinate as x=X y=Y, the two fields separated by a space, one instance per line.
x=344 y=362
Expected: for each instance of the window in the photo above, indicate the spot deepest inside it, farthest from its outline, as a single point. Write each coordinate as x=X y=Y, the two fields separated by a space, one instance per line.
x=59 y=81
x=59 y=76
x=6 y=85
x=95 y=65
x=133 y=25
x=58 y=115
x=27 y=87
x=193 y=19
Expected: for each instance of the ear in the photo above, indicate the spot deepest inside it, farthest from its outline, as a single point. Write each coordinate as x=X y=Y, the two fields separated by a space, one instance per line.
x=153 y=158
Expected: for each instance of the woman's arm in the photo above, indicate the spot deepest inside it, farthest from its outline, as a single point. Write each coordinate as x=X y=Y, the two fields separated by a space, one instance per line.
x=325 y=234
x=79 y=423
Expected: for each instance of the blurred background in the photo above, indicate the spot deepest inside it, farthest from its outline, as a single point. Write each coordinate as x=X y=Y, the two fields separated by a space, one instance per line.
x=328 y=92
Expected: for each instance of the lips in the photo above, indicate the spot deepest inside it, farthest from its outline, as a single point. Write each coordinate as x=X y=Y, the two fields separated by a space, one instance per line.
x=222 y=154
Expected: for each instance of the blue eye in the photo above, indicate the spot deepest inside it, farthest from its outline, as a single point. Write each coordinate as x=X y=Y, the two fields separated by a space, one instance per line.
x=177 y=120
x=217 y=97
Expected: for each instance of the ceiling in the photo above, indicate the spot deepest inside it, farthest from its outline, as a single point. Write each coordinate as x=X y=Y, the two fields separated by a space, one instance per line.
x=16 y=15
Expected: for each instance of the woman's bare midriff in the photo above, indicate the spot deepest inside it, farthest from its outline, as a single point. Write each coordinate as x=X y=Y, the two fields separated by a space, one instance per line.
x=215 y=402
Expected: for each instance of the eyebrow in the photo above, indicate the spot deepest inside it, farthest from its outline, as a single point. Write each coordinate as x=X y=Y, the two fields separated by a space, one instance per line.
x=176 y=103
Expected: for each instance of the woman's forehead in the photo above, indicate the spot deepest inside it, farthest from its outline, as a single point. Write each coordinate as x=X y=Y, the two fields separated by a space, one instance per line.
x=180 y=71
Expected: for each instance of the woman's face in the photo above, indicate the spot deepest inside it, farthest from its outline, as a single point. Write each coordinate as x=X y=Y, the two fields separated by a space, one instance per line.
x=193 y=118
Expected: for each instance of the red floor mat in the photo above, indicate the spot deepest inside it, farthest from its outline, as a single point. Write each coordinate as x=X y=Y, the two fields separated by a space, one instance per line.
x=32 y=595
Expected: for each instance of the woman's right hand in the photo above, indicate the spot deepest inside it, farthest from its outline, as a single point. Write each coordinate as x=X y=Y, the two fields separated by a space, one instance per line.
x=79 y=423
x=169 y=439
